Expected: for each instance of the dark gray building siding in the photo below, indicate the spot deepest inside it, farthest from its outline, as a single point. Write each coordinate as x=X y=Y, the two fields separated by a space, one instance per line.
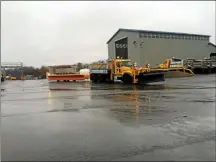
x=132 y=51
x=153 y=48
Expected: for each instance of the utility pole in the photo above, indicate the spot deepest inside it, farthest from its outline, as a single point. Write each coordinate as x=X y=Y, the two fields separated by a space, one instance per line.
x=0 y=68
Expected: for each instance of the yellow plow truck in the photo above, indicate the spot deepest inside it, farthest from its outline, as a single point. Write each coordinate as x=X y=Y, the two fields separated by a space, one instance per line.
x=174 y=67
x=123 y=70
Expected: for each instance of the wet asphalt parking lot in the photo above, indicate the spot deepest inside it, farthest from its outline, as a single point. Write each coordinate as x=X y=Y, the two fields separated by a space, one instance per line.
x=173 y=120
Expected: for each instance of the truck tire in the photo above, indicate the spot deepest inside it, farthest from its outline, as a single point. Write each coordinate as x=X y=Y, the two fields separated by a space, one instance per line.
x=93 y=78
x=99 y=78
x=2 y=79
x=127 y=79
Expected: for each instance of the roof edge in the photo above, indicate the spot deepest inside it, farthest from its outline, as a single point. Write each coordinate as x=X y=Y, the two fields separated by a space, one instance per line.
x=138 y=30
x=211 y=44
x=114 y=35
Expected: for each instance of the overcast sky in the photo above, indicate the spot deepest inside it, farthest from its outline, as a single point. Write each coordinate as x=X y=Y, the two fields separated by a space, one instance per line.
x=44 y=33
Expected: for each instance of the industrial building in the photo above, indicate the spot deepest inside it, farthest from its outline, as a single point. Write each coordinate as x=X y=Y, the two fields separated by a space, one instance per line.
x=152 y=47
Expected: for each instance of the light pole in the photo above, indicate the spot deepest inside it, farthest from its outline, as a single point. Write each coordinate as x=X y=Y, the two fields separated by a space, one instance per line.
x=141 y=46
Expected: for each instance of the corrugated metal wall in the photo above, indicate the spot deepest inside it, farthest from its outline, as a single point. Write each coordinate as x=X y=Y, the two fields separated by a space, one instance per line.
x=155 y=50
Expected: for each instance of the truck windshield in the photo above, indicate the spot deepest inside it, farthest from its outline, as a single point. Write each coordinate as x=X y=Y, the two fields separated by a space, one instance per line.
x=176 y=60
x=98 y=66
x=127 y=63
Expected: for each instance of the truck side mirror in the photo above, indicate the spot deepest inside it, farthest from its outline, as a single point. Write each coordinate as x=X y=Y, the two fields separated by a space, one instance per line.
x=134 y=64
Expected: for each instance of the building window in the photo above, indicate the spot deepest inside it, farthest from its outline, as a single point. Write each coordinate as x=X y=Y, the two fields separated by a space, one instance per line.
x=140 y=34
x=162 y=36
x=157 y=36
x=145 y=35
x=172 y=36
x=153 y=36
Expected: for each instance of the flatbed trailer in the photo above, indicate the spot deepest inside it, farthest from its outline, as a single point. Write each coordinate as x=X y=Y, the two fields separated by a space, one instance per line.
x=204 y=66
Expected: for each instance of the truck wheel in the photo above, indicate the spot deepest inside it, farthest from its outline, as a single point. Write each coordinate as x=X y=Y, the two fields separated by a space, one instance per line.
x=2 y=79
x=127 y=79
x=93 y=78
x=209 y=70
x=100 y=78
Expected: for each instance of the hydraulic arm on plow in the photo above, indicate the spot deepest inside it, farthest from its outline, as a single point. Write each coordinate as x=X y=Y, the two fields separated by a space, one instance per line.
x=123 y=70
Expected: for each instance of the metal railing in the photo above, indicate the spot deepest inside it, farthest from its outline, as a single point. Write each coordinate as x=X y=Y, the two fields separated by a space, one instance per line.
x=10 y=65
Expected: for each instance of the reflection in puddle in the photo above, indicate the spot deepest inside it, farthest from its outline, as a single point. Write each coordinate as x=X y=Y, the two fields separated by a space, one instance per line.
x=49 y=98
x=132 y=97
x=66 y=101
x=64 y=110
x=129 y=87
x=67 y=107
x=134 y=107
x=203 y=101
x=69 y=86
x=123 y=102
